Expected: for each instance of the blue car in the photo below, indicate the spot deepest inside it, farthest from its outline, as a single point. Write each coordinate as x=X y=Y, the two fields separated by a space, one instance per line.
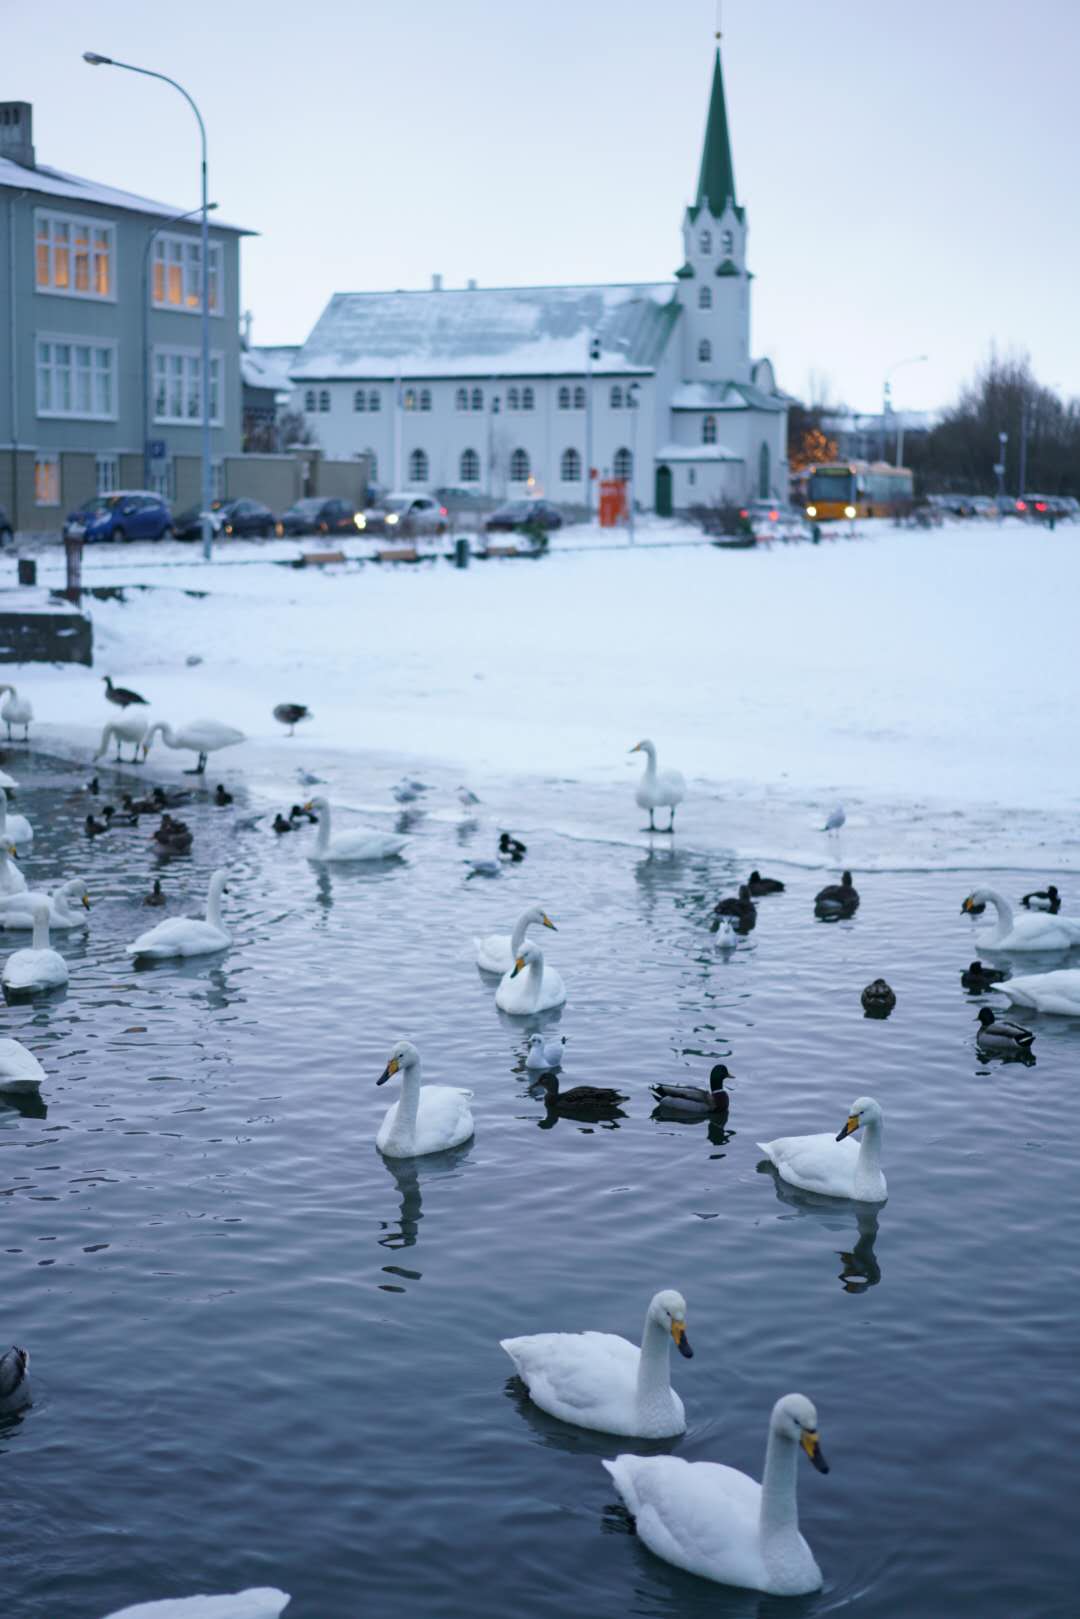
x=126 y=514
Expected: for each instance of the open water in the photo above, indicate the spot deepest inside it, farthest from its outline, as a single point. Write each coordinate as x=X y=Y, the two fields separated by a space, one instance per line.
x=263 y=1355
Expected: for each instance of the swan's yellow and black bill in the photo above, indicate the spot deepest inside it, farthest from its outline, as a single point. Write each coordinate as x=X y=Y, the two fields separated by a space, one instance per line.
x=635 y=749
x=519 y=967
x=969 y=903
x=86 y=902
x=548 y=923
x=309 y=806
x=852 y=1124
x=682 y=1342
x=389 y=1071
x=810 y=1442
x=11 y=849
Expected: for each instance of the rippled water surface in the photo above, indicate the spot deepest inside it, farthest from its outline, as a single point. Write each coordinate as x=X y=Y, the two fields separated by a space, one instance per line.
x=262 y=1354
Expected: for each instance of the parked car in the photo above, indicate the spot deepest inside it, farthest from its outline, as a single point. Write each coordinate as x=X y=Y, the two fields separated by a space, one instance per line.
x=404 y=516
x=187 y=525
x=775 y=520
x=126 y=514
x=318 y=515
x=515 y=515
x=457 y=499
x=6 y=532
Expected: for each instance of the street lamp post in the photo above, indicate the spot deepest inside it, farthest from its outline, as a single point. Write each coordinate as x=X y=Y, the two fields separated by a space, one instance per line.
x=147 y=413
x=95 y=60
x=914 y=359
x=592 y=355
x=1003 y=439
x=633 y=394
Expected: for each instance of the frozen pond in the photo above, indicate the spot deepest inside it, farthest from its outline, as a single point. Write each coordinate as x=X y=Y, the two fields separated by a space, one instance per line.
x=262 y=1355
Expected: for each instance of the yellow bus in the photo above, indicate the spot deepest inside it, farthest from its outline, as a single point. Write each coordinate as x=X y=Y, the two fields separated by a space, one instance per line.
x=858 y=489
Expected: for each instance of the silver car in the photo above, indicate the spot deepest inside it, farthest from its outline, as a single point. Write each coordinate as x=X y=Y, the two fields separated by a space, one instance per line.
x=403 y=517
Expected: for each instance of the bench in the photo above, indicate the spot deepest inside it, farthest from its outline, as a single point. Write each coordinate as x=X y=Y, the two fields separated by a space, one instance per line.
x=320 y=559
x=398 y=553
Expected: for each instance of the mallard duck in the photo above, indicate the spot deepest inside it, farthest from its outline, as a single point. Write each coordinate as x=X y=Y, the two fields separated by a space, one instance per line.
x=694 y=1099
x=759 y=885
x=121 y=696
x=282 y=825
x=740 y=908
x=93 y=785
x=169 y=800
x=222 y=798
x=511 y=848
x=94 y=828
x=14 y=1379
x=878 y=998
x=656 y=790
x=291 y=714
x=581 y=1099
x=1001 y=1034
x=1043 y=899
x=173 y=836
x=838 y=899
x=155 y=896
x=299 y=813
x=979 y=977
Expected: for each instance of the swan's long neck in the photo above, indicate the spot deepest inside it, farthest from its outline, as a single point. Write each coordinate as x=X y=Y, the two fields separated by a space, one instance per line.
x=213 y=900
x=650 y=762
x=779 y=1515
x=534 y=979
x=521 y=927
x=163 y=729
x=408 y=1102
x=3 y=810
x=868 y=1166
x=654 y=1371
x=322 y=839
x=41 y=928
x=1004 y=912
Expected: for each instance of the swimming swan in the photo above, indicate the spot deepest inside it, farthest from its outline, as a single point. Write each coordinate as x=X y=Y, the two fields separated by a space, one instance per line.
x=17 y=910
x=19 y=1068
x=496 y=952
x=834 y=1166
x=598 y=1380
x=358 y=844
x=14 y=828
x=425 y=1118
x=715 y=1521
x=1034 y=930
x=36 y=967
x=199 y=736
x=187 y=935
x=12 y=880
x=530 y=986
x=1046 y=992
x=264 y=1602
x=656 y=790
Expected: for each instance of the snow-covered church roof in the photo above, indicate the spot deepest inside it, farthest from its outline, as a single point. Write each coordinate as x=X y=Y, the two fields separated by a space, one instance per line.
x=489 y=331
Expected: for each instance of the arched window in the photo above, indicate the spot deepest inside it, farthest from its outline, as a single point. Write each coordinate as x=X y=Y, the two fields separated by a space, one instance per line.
x=512 y=399
x=764 y=473
x=708 y=430
x=570 y=466
x=616 y=397
x=704 y=351
x=519 y=466
x=527 y=398
x=324 y=399
x=705 y=241
x=309 y=399
x=564 y=399
x=373 y=465
x=469 y=467
x=461 y=399
x=623 y=465
x=478 y=399
x=425 y=399
x=579 y=398
x=374 y=401
x=704 y=298
x=418 y=467
x=727 y=242
x=408 y=399
x=359 y=400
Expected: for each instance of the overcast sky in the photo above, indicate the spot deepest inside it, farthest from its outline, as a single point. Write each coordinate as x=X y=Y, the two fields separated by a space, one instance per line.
x=909 y=169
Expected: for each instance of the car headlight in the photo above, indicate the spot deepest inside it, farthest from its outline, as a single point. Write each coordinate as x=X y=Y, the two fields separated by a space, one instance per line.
x=360 y=520
x=849 y=511
x=811 y=511
x=391 y=519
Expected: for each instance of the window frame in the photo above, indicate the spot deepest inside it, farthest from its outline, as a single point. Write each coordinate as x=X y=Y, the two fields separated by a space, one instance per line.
x=311 y=402
x=571 y=458
x=528 y=398
x=564 y=397
x=107 y=473
x=623 y=458
x=519 y=459
x=47 y=460
x=186 y=241
x=186 y=356
x=476 y=399
x=419 y=458
x=708 y=429
x=704 y=352
x=580 y=402
x=359 y=400
x=704 y=297
x=705 y=241
x=71 y=222
x=55 y=414
x=474 y=460
x=374 y=401
x=425 y=399
x=461 y=399
x=615 y=398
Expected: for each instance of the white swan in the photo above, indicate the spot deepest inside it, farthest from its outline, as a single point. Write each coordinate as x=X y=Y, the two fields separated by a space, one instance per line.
x=200 y=736
x=833 y=1166
x=496 y=952
x=263 y=1602
x=1033 y=930
x=715 y=1521
x=14 y=828
x=1046 y=992
x=425 y=1118
x=17 y=910
x=19 y=1068
x=6 y=780
x=130 y=727
x=187 y=935
x=656 y=790
x=16 y=710
x=598 y=1380
x=12 y=880
x=359 y=843
x=36 y=967
x=530 y=986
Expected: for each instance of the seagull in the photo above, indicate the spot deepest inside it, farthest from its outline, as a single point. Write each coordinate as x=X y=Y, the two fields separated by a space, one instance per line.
x=467 y=798
x=835 y=820
x=483 y=868
x=306 y=779
x=121 y=696
x=291 y=714
x=405 y=792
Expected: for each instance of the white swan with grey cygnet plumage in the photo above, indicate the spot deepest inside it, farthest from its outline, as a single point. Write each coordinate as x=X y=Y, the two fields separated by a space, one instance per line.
x=359 y=843
x=496 y=952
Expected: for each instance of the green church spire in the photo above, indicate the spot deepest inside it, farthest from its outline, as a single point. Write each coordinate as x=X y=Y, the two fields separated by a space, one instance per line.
x=716 y=182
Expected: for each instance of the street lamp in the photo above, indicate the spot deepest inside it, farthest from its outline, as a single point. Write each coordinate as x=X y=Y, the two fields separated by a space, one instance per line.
x=914 y=359
x=96 y=60
x=145 y=284
x=633 y=393
x=999 y=470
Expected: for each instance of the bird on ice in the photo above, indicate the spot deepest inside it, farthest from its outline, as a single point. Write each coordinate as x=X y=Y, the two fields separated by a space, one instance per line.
x=835 y=819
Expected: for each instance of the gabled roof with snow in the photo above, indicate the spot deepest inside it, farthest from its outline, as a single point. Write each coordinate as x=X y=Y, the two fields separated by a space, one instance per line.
x=725 y=396
x=489 y=331
x=696 y=452
x=268 y=366
x=71 y=187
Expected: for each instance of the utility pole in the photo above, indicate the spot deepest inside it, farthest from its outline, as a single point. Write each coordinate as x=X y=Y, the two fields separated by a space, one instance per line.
x=592 y=356
x=1025 y=429
x=1003 y=439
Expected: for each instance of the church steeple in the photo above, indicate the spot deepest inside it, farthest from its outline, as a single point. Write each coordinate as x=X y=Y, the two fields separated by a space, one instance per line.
x=716 y=182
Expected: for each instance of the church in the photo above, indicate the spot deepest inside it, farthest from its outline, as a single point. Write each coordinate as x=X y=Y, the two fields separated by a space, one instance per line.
x=542 y=390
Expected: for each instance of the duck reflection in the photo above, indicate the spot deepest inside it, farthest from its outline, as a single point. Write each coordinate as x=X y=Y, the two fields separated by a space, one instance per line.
x=409 y=1174
x=860 y=1269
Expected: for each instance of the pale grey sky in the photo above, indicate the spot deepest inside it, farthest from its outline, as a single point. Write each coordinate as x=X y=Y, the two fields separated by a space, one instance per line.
x=909 y=170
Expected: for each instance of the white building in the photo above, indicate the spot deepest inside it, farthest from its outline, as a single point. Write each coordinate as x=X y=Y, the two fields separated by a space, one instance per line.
x=521 y=389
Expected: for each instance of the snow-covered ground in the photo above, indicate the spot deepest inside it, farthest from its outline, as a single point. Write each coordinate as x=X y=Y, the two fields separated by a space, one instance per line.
x=926 y=679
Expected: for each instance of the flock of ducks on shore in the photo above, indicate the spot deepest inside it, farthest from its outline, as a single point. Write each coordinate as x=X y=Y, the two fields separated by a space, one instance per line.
x=707 y=1518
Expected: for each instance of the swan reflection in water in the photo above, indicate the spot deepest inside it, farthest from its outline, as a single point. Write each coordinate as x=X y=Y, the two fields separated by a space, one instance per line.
x=860 y=1269
x=409 y=1175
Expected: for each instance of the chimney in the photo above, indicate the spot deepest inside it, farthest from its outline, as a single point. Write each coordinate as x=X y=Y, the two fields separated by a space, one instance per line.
x=17 y=132
x=470 y=285
x=436 y=283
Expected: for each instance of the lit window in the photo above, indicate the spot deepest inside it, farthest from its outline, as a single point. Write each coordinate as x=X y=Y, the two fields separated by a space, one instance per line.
x=579 y=398
x=513 y=399
x=73 y=256
x=324 y=400
x=704 y=297
x=519 y=466
x=527 y=399
x=461 y=399
x=46 y=480
x=176 y=280
x=705 y=241
x=478 y=399
x=704 y=351
x=107 y=470
x=570 y=466
x=309 y=399
x=425 y=399
x=418 y=467
x=564 y=399
x=708 y=430
x=178 y=386
x=408 y=399
x=469 y=468
x=616 y=397
x=623 y=464
x=359 y=400
x=727 y=242
x=76 y=379
x=374 y=401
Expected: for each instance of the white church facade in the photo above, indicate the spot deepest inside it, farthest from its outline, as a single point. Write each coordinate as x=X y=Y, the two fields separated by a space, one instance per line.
x=521 y=390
